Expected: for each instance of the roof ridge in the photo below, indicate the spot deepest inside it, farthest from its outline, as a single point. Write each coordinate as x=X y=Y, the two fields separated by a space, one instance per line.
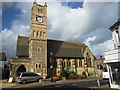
x=22 y=36
x=67 y=42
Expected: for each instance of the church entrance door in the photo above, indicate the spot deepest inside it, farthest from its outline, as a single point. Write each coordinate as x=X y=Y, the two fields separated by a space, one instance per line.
x=20 y=69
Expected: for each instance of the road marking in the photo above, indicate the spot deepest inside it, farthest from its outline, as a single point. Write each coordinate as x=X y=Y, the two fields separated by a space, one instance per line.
x=73 y=84
x=59 y=86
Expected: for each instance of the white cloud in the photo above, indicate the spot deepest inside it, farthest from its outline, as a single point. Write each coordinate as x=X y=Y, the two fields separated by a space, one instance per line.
x=89 y=39
x=88 y=24
x=9 y=38
x=101 y=48
x=94 y=19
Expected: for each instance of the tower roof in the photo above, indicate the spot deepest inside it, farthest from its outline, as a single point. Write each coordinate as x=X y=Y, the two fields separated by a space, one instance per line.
x=22 y=46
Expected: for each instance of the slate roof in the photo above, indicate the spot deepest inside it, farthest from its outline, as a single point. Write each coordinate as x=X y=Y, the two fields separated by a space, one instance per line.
x=22 y=46
x=58 y=48
x=3 y=56
x=115 y=25
x=65 y=49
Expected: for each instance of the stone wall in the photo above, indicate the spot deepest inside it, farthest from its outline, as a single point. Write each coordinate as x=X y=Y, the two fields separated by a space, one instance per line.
x=17 y=62
x=77 y=65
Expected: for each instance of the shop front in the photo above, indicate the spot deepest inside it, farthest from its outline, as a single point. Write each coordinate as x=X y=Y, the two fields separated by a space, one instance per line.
x=112 y=57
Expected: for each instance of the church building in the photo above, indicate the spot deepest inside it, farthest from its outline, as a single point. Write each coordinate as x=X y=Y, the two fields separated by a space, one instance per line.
x=49 y=57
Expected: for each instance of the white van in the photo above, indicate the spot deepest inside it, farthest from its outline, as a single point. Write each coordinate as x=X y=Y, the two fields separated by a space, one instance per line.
x=105 y=74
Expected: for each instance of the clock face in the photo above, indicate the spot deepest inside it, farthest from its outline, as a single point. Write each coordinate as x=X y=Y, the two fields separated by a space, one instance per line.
x=39 y=19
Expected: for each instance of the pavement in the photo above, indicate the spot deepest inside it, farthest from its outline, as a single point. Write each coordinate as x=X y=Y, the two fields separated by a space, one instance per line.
x=49 y=83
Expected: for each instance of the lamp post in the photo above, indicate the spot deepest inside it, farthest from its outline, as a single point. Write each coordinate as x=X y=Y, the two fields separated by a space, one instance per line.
x=51 y=66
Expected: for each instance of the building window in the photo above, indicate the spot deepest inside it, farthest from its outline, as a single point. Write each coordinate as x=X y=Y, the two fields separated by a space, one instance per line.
x=39 y=65
x=36 y=65
x=34 y=34
x=40 y=10
x=68 y=64
x=88 y=61
x=38 y=50
x=73 y=62
x=80 y=63
x=63 y=63
x=41 y=34
x=37 y=34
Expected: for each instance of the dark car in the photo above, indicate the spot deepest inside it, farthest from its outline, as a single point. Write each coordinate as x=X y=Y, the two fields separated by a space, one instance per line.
x=25 y=77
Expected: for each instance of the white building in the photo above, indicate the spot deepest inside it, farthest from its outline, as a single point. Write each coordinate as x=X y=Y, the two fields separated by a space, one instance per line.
x=3 y=60
x=112 y=57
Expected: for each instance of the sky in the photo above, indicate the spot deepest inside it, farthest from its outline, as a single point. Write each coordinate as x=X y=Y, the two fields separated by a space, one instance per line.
x=86 y=22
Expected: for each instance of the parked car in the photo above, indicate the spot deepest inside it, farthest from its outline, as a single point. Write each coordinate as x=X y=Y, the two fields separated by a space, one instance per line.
x=25 y=77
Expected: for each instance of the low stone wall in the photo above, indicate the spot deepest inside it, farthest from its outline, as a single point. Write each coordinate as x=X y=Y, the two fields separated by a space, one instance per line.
x=80 y=70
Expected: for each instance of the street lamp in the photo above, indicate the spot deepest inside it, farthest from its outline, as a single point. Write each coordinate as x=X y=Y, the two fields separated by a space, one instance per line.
x=51 y=66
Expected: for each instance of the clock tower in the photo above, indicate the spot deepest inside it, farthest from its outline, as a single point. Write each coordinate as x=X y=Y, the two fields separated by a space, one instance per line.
x=38 y=39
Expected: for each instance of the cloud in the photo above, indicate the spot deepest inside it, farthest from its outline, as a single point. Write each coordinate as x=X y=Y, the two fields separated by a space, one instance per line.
x=88 y=24
x=9 y=37
x=80 y=22
x=100 y=49
x=89 y=39
x=94 y=19
x=25 y=12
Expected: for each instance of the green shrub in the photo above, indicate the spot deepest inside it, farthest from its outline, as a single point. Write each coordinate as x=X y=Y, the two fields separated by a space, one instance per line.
x=73 y=75
x=69 y=75
x=64 y=74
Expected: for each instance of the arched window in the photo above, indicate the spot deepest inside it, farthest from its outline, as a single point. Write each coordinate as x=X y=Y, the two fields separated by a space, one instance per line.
x=77 y=63
x=39 y=65
x=67 y=64
x=37 y=34
x=34 y=34
x=80 y=63
x=38 y=50
x=41 y=34
x=88 y=60
x=36 y=65
x=63 y=63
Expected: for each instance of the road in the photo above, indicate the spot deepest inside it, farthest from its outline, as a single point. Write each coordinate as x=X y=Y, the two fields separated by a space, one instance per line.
x=81 y=84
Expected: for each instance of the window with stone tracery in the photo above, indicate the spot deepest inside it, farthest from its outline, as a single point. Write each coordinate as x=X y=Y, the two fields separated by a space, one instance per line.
x=88 y=61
